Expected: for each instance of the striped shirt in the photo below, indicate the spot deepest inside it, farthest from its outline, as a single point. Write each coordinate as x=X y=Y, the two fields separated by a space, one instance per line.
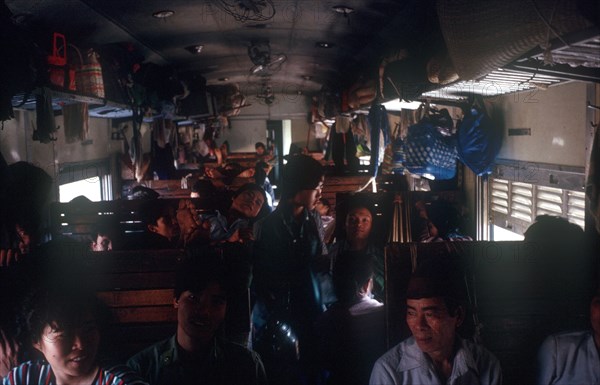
x=40 y=373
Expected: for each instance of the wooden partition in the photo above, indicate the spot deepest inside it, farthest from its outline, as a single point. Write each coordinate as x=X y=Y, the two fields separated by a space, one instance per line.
x=76 y=221
x=137 y=287
x=523 y=292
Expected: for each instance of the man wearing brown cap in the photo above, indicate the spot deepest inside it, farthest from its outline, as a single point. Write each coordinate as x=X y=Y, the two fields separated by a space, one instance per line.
x=435 y=354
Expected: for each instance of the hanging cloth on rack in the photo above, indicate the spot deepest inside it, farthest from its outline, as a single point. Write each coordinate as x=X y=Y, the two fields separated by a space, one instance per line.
x=76 y=119
x=378 y=121
x=342 y=150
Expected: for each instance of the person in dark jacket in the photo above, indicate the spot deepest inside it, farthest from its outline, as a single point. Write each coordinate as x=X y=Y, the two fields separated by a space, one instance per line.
x=198 y=353
x=289 y=244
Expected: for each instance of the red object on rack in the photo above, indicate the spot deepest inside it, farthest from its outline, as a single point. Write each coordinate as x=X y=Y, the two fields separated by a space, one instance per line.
x=59 y=50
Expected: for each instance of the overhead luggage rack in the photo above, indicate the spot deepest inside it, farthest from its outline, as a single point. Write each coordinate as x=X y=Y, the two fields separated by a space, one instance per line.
x=98 y=107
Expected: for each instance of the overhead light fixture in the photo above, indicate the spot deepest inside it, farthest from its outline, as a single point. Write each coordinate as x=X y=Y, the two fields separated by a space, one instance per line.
x=195 y=49
x=324 y=44
x=397 y=105
x=343 y=9
x=306 y=77
x=163 y=14
x=223 y=79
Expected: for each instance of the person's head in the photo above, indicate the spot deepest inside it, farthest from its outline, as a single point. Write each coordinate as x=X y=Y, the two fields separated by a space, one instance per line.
x=248 y=200
x=160 y=218
x=323 y=206
x=302 y=181
x=359 y=222
x=64 y=324
x=102 y=234
x=548 y=227
x=203 y=188
x=200 y=297
x=27 y=191
x=435 y=308
x=353 y=276
x=260 y=148
x=224 y=148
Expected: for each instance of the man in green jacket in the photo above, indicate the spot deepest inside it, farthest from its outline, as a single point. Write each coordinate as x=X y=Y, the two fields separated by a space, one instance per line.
x=198 y=353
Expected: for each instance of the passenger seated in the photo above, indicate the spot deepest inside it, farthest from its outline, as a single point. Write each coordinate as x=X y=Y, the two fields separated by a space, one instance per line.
x=435 y=354
x=359 y=239
x=162 y=229
x=234 y=226
x=438 y=221
x=323 y=207
x=572 y=357
x=25 y=192
x=261 y=178
x=198 y=353
x=102 y=235
x=352 y=331
x=64 y=324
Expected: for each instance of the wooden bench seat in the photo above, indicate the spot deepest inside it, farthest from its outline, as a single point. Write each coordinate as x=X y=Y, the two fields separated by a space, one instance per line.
x=137 y=287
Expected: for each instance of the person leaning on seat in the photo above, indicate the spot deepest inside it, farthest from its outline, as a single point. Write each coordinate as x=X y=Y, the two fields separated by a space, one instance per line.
x=435 y=354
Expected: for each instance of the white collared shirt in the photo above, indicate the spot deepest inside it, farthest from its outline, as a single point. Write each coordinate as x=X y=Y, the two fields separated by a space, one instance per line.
x=406 y=364
x=568 y=359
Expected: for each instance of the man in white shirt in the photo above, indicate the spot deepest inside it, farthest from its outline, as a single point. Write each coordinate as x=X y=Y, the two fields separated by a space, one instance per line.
x=572 y=357
x=435 y=354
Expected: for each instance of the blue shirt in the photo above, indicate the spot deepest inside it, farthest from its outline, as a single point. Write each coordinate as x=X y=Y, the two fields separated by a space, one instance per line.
x=406 y=364
x=220 y=230
x=569 y=358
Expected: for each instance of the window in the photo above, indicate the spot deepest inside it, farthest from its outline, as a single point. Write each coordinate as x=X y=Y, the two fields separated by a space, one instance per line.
x=515 y=205
x=90 y=179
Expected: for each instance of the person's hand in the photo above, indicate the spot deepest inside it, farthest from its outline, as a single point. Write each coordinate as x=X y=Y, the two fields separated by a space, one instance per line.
x=190 y=225
x=213 y=173
x=235 y=237
x=247 y=173
x=246 y=234
x=8 y=257
x=187 y=219
x=9 y=352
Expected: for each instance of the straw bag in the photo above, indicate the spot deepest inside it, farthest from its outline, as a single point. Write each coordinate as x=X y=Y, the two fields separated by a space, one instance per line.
x=89 y=74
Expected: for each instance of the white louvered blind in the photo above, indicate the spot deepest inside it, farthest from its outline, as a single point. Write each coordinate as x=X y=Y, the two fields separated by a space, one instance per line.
x=515 y=205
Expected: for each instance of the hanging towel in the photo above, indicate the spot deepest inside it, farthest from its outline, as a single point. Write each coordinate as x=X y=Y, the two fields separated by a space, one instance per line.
x=76 y=119
x=378 y=121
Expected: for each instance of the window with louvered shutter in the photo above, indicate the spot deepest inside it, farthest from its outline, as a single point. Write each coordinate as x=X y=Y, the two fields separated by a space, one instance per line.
x=515 y=205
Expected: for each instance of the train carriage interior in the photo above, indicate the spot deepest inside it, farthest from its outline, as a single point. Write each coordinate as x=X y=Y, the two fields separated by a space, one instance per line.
x=466 y=127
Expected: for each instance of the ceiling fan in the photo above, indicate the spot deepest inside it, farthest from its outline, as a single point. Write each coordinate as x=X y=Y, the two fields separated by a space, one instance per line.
x=248 y=10
x=265 y=63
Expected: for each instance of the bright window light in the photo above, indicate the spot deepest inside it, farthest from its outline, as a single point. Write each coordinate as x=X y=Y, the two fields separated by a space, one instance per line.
x=397 y=105
x=501 y=234
x=89 y=188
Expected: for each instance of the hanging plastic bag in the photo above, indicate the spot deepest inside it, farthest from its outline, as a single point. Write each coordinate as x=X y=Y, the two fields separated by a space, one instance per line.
x=428 y=152
x=478 y=141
